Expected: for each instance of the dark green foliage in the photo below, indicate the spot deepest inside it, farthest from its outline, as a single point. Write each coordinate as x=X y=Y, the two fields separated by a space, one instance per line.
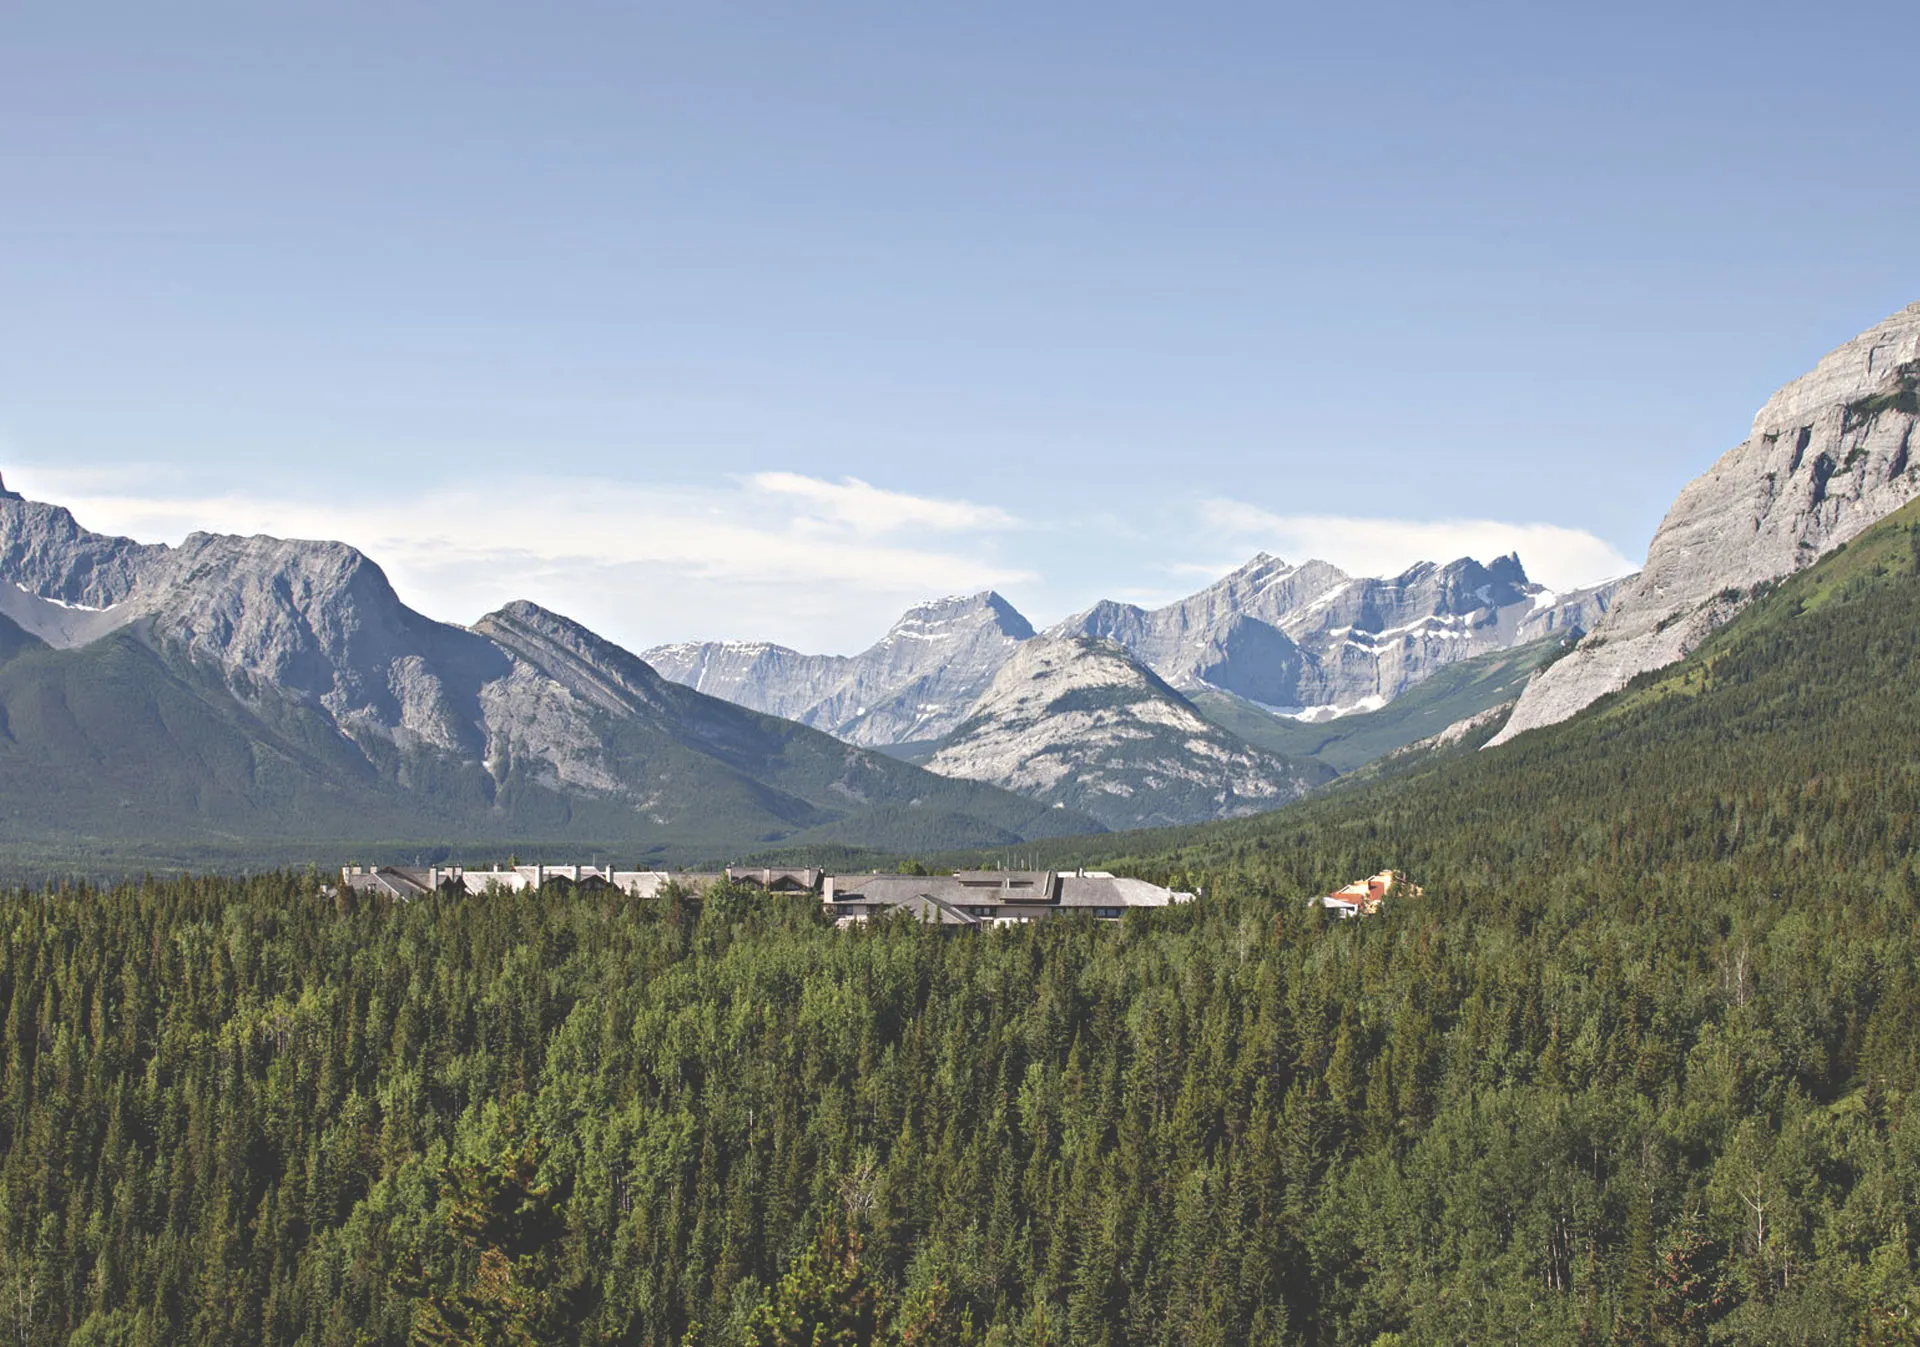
x=1690 y=1293
x=824 y=1300
x=932 y=1316
x=1641 y=1068
x=506 y=1238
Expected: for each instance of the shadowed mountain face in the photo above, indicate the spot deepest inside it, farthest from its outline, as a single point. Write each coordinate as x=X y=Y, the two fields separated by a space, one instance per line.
x=235 y=688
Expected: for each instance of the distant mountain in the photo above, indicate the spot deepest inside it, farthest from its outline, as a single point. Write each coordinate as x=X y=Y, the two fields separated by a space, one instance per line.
x=1307 y=640
x=1461 y=691
x=1829 y=454
x=914 y=684
x=1082 y=723
x=234 y=689
x=1315 y=642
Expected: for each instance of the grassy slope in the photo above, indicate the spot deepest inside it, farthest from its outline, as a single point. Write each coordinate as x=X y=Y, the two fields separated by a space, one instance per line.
x=1455 y=693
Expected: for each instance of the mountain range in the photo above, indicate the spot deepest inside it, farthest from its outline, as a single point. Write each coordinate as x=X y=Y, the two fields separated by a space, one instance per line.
x=1275 y=647
x=1306 y=641
x=246 y=690
x=277 y=697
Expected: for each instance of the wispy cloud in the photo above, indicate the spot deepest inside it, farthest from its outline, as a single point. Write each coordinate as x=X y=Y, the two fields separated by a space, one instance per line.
x=776 y=556
x=854 y=503
x=1560 y=557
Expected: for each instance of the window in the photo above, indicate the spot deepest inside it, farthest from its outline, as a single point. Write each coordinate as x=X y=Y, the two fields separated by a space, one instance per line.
x=1109 y=912
x=982 y=911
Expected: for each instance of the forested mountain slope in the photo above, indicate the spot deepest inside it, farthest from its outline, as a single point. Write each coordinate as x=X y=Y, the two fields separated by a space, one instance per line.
x=1457 y=692
x=130 y=753
x=1640 y=1068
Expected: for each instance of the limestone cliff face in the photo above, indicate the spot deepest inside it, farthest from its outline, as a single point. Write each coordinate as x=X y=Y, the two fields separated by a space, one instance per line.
x=1081 y=723
x=1829 y=455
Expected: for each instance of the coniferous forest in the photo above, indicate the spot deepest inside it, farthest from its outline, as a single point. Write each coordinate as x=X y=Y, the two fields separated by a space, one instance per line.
x=1639 y=1068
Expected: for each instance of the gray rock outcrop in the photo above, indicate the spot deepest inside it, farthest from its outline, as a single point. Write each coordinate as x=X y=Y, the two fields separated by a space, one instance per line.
x=1082 y=723
x=46 y=554
x=1829 y=454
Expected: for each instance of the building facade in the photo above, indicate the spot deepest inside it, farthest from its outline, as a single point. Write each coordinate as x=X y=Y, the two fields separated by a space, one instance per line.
x=992 y=897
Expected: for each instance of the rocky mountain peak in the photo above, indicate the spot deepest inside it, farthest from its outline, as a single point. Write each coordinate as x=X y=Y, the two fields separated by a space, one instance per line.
x=548 y=638
x=1829 y=455
x=45 y=551
x=963 y=611
x=1507 y=570
x=1080 y=722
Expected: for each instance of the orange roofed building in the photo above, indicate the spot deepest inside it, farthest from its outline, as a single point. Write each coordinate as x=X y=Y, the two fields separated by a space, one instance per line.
x=1363 y=897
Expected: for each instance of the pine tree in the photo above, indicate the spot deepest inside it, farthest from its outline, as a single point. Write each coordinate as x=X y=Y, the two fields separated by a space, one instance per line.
x=1689 y=1293
x=823 y=1301
x=932 y=1317
x=503 y=1221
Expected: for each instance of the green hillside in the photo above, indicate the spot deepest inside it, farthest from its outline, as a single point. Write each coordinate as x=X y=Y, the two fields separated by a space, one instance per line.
x=1453 y=694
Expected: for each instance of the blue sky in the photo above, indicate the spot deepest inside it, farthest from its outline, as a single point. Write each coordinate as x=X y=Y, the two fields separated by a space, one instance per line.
x=765 y=320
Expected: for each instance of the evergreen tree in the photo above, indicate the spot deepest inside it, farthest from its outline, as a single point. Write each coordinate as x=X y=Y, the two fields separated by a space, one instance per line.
x=824 y=1300
x=502 y=1222
x=1689 y=1290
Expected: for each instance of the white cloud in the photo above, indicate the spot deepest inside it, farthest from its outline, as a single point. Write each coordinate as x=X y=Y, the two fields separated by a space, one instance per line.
x=1556 y=556
x=779 y=556
x=854 y=503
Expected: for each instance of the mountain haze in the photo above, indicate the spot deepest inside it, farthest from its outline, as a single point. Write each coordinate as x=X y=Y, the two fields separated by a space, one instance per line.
x=914 y=684
x=1307 y=641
